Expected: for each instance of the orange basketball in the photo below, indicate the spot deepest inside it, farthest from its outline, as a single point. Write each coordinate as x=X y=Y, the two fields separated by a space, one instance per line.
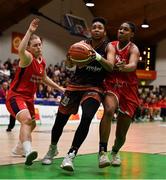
x=80 y=53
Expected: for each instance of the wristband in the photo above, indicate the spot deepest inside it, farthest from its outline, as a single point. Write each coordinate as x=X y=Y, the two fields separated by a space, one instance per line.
x=98 y=56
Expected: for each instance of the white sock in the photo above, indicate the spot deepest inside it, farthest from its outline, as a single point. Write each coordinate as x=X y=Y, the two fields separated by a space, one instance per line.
x=27 y=147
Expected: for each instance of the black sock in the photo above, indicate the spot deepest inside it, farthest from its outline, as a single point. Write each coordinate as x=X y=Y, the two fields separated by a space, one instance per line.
x=73 y=149
x=102 y=147
x=114 y=151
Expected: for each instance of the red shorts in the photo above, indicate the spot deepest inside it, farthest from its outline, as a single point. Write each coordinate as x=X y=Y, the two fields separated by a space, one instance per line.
x=16 y=104
x=72 y=99
x=127 y=97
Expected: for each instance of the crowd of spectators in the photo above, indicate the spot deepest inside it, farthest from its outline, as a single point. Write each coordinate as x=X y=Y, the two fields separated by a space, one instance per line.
x=152 y=104
x=152 y=100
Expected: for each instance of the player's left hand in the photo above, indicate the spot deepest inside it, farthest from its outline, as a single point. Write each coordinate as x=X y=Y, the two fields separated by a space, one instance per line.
x=95 y=56
x=62 y=89
x=120 y=65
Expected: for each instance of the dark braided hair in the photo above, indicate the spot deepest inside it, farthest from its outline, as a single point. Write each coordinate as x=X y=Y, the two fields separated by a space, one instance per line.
x=132 y=26
x=101 y=20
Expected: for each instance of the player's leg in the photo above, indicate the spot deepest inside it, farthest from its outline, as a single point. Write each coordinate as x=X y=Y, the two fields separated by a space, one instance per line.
x=18 y=108
x=128 y=104
x=89 y=108
x=27 y=123
x=60 y=121
x=123 y=124
x=110 y=104
x=18 y=149
x=69 y=105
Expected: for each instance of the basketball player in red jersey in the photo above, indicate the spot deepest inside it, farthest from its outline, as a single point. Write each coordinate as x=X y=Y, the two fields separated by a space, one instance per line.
x=121 y=92
x=20 y=98
x=85 y=90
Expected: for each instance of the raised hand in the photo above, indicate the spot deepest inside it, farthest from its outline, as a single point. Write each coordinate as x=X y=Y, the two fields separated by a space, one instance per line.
x=34 y=25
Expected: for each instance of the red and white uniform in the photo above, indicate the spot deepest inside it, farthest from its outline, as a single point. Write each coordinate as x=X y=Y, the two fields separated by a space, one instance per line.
x=23 y=87
x=123 y=84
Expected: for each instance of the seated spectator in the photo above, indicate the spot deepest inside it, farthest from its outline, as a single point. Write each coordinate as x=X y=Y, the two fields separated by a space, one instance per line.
x=145 y=109
x=40 y=92
x=3 y=90
x=56 y=70
x=52 y=94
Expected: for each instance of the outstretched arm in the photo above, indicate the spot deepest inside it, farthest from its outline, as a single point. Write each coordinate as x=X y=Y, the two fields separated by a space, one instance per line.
x=25 y=56
x=51 y=83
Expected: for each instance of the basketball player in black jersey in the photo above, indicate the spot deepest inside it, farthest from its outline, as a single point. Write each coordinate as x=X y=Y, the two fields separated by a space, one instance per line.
x=84 y=89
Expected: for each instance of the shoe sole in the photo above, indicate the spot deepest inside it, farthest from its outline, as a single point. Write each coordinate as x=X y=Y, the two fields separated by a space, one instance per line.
x=115 y=165
x=104 y=165
x=67 y=168
x=32 y=156
x=45 y=163
x=16 y=154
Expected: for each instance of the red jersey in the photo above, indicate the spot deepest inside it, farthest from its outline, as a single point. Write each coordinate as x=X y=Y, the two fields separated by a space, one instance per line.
x=122 y=77
x=26 y=79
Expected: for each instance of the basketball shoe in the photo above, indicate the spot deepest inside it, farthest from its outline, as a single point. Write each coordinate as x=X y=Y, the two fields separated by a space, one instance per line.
x=104 y=159
x=18 y=151
x=67 y=163
x=116 y=161
x=30 y=157
x=48 y=158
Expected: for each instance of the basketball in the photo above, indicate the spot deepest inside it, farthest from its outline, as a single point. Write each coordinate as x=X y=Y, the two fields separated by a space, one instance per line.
x=80 y=53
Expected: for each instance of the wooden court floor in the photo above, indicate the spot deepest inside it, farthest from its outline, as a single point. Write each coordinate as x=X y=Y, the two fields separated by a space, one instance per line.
x=149 y=137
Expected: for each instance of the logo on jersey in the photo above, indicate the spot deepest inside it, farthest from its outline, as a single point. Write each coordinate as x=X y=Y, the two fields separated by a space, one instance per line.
x=94 y=68
x=36 y=79
x=119 y=58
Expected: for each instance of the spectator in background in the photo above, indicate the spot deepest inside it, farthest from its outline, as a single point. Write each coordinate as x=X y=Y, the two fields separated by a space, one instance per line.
x=3 y=90
x=12 y=122
x=3 y=94
x=56 y=71
x=163 y=108
x=4 y=72
x=40 y=94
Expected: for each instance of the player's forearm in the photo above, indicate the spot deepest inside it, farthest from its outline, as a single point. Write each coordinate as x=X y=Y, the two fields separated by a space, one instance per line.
x=23 y=45
x=129 y=68
x=52 y=84
x=108 y=66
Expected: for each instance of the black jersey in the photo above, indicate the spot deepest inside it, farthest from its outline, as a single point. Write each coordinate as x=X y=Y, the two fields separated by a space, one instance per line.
x=92 y=74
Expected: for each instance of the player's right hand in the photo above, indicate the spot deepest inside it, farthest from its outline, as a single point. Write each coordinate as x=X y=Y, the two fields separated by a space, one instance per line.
x=34 y=25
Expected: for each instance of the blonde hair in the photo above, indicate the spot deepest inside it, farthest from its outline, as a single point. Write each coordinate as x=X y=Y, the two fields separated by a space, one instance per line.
x=33 y=36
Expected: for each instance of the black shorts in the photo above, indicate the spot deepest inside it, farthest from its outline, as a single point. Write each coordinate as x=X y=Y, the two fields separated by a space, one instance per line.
x=72 y=99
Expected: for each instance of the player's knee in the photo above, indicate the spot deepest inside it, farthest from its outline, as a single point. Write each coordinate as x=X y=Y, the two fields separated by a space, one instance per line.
x=109 y=112
x=28 y=121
